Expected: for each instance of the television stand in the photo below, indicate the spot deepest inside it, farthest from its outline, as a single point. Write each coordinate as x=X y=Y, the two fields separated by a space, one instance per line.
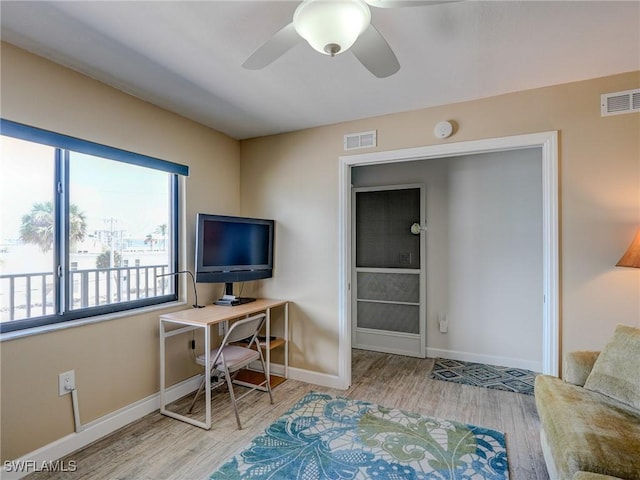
x=232 y=300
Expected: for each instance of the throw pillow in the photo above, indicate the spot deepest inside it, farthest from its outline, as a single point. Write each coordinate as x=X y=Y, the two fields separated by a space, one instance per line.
x=616 y=372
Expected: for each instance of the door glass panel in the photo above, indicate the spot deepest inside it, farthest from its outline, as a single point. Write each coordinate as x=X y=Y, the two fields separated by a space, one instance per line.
x=383 y=236
x=388 y=316
x=398 y=287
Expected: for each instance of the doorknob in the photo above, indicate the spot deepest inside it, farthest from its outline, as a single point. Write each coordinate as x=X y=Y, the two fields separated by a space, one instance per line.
x=416 y=229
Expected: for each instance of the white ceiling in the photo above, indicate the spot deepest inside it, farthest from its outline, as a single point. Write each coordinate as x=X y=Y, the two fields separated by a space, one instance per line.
x=186 y=56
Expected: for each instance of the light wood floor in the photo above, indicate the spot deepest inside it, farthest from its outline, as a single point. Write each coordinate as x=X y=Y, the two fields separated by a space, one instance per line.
x=157 y=447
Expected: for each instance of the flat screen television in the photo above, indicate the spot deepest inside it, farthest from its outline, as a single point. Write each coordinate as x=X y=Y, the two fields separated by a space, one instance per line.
x=233 y=249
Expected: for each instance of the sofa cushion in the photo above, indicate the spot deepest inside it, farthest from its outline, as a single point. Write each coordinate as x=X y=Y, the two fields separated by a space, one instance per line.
x=616 y=371
x=578 y=365
x=587 y=431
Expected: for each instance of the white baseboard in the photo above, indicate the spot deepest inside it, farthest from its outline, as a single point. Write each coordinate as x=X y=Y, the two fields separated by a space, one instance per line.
x=307 y=376
x=316 y=378
x=488 y=359
x=92 y=431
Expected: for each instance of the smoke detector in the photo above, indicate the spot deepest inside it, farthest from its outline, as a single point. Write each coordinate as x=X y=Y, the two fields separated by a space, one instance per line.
x=443 y=129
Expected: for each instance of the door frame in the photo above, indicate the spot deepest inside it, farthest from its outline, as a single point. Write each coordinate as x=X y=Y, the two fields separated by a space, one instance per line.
x=548 y=143
x=396 y=339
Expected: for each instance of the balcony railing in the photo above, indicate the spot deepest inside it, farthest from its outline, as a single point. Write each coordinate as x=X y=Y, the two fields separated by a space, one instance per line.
x=28 y=295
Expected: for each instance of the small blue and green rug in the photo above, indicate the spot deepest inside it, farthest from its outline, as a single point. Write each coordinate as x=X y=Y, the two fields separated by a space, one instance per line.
x=509 y=379
x=326 y=437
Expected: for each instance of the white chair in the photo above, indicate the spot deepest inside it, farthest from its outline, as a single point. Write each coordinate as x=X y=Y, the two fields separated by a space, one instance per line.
x=230 y=357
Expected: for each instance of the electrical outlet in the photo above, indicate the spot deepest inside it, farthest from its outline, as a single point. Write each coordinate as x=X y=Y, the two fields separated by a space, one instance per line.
x=443 y=321
x=66 y=382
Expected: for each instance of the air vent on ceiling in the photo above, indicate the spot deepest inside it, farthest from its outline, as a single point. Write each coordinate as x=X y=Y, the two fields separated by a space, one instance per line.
x=360 y=140
x=620 y=102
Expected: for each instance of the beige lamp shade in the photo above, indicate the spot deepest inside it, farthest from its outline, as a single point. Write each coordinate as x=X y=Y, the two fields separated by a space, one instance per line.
x=631 y=257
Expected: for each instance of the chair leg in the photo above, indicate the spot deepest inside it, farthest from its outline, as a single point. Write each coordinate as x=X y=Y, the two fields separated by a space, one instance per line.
x=200 y=388
x=233 y=397
x=264 y=369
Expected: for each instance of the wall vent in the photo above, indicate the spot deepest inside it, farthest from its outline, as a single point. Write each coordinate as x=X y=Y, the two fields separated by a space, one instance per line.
x=360 y=140
x=620 y=102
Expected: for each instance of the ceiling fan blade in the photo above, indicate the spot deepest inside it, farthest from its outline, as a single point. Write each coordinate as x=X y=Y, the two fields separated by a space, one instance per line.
x=273 y=48
x=375 y=54
x=406 y=3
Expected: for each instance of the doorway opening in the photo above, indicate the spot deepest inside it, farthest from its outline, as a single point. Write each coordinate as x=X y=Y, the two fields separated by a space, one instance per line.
x=546 y=142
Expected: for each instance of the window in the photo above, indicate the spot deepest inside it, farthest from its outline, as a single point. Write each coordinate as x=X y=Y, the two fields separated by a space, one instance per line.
x=85 y=229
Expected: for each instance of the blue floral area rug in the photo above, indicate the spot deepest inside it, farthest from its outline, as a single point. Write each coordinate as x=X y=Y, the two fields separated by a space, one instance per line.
x=509 y=379
x=324 y=437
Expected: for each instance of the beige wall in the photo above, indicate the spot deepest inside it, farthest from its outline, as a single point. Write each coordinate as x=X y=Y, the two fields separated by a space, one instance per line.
x=116 y=361
x=294 y=178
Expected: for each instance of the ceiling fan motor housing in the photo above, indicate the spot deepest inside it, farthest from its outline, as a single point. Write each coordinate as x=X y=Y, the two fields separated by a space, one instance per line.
x=331 y=26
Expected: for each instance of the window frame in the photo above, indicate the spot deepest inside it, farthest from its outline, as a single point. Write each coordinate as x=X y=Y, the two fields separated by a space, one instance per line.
x=61 y=255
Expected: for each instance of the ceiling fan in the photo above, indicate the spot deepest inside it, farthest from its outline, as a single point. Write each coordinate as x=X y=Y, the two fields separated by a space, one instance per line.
x=334 y=26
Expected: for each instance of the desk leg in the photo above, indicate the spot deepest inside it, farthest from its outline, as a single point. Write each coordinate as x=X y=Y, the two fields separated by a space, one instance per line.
x=286 y=340
x=163 y=387
x=268 y=344
x=207 y=373
x=162 y=368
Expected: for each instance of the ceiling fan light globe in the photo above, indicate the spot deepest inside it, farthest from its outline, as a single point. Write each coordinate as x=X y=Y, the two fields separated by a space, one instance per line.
x=331 y=26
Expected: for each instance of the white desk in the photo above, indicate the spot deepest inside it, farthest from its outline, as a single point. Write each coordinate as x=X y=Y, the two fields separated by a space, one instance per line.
x=205 y=318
